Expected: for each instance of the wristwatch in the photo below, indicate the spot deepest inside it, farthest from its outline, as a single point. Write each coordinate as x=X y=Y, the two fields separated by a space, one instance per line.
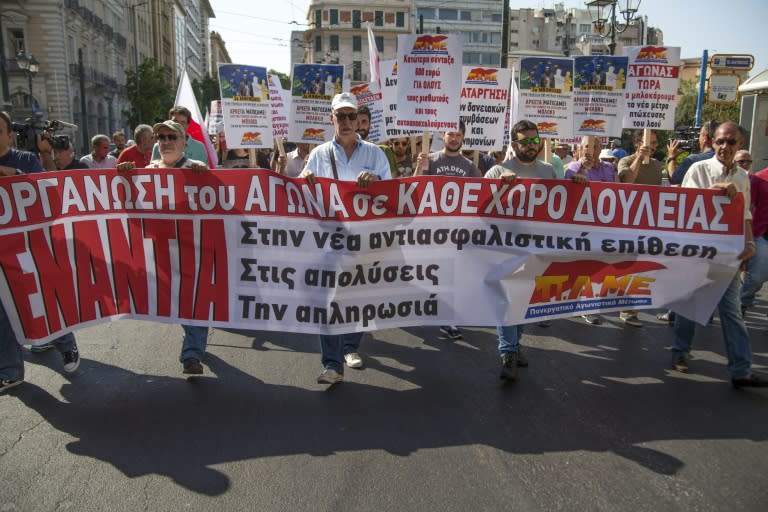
x=670 y=158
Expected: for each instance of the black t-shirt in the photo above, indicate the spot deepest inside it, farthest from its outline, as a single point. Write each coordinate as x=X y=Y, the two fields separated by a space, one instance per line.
x=76 y=164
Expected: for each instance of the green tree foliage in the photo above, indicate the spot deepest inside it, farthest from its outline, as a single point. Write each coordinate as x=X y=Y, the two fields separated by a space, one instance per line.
x=685 y=115
x=285 y=80
x=206 y=90
x=149 y=93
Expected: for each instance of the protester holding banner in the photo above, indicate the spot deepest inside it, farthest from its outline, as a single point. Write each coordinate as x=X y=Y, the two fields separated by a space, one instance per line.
x=524 y=164
x=721 y=172
x=641 y=169
x=170 y=139
x=140 y=154
x=193 y=149
x=13 y=162
x=345 y=157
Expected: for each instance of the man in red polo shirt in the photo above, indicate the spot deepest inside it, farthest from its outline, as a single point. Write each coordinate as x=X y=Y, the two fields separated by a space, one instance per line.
x=140 y=153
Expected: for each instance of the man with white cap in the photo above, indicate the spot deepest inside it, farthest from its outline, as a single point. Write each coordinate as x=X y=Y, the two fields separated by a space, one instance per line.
x=345 y=157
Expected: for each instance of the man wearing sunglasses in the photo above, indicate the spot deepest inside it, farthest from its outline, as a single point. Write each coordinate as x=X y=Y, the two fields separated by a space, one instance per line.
x=524 y=164
x=171 y=143
x=722 y=173
x=345 y=157
x=401 y=148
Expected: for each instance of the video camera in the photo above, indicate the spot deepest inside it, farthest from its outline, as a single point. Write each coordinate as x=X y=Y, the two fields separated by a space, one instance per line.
x=26 y=134
x=688 y=136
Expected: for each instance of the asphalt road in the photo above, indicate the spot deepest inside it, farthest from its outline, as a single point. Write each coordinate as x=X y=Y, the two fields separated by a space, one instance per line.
x=598 y=422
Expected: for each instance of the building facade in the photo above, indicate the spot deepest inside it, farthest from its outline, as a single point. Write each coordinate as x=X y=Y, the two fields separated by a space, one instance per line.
x=337 y=32
x=84 y=48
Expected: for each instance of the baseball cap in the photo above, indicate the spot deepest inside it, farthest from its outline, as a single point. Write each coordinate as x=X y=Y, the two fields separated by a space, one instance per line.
x=344 y=100
x=607 y=153
x=173 y=125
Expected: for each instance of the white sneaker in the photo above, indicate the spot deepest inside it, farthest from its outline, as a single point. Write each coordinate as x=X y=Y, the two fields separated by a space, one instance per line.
x=330 y=377
x=353 y=360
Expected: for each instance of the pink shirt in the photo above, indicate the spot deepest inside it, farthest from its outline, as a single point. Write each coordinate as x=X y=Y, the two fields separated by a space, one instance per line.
x=758 y=184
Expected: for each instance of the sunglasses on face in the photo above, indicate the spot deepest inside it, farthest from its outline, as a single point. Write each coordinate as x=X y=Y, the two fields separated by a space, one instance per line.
x=340 y=116
x=744 y=162
x=170 y=136
x=528 y=141
x=730 y=142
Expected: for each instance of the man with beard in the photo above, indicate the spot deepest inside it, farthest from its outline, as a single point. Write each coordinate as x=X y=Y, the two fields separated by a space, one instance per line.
x=448 y=161
x=525 y=144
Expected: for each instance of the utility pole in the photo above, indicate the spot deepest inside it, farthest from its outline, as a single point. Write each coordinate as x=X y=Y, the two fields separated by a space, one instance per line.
x=4 y=72
x=83 y=113
x=505 y=34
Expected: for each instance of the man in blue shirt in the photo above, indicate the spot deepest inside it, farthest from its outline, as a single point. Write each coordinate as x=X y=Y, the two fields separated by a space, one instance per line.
x=12 y=162
x=706 y=134
x=345 y=157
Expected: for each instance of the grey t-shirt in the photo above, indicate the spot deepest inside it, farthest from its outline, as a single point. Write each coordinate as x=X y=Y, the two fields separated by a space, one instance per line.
x=442 y=165
x=538 y=169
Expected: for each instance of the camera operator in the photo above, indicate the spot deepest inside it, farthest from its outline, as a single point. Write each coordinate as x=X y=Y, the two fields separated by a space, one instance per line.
x=706 y=134
x=14 y=161
x=64 y=155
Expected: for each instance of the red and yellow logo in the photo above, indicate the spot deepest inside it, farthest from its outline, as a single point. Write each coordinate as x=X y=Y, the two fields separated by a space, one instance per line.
x=587 y=279
x=251 y=138
x=314 y=134
x=482 y=75
x=430 y=43
x=546 y=128
x=652 y=53
x=593 y=125
x=360 y=89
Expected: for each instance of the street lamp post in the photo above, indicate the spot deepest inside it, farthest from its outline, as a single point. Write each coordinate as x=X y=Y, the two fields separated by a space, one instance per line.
x=603 y=12
x=30 y=66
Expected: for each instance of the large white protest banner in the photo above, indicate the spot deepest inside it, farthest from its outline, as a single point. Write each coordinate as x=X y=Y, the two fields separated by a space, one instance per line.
x=245 y=106
x=429 y=81
x=484 y=106
x=256 y=250
x=389 y=100
x=653 y=79
x=546 y=94
x=313 y=86
x=598 y=95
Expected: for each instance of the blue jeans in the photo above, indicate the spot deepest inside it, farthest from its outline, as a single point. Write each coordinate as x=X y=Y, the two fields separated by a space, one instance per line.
x=509 y=338
x=738 y=347
x=756 y=274
x=333 y=348
x=194 y=343
x=11 y=355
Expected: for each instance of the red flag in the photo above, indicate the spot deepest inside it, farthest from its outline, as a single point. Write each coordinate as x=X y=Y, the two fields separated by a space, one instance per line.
x=185 y=97
x=373 y=56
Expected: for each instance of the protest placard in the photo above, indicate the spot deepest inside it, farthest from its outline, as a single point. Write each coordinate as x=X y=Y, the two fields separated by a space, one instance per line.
x=245 y=106
x=546 y=94
x=313 y=86
x=369 y=95
x=484 y=106
x=280 y=99
x=653 y=79
x=598 y=95
x=429 y=81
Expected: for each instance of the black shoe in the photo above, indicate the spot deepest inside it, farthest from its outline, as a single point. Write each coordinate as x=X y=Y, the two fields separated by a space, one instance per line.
x=71 y=359
x=744 y=311
x=509 y=366
x=6 y=384
x=451 y=332
x=592 y=319
x=543 y=323
x=680 y=363
x=192 y=366
x=751 y=381
x=522 y=361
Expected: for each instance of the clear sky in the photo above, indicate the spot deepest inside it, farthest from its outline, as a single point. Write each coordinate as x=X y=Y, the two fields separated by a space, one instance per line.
x=261 y=36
